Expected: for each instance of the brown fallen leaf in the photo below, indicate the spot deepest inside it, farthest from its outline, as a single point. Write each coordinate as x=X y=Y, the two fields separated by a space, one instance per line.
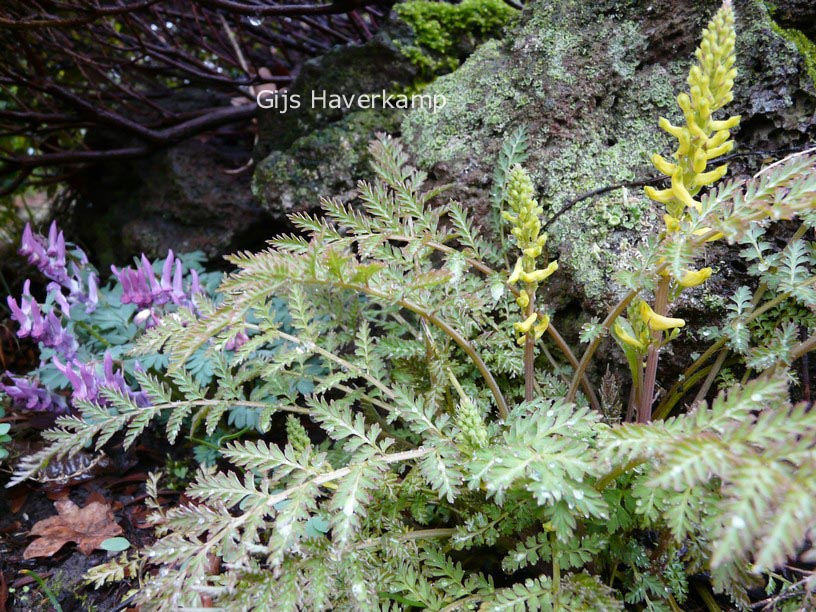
x=88 y=527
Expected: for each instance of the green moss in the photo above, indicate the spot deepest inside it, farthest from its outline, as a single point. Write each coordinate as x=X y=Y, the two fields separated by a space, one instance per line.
x=803 y=44
x=440 y=28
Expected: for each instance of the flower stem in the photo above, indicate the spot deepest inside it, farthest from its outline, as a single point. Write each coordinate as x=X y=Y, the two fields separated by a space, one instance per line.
x=647 y=391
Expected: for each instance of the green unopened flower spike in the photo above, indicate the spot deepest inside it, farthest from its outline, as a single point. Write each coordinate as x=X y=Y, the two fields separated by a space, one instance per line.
x=702 y=138
x=525 y=218
x=469 y=419
x=296 y=434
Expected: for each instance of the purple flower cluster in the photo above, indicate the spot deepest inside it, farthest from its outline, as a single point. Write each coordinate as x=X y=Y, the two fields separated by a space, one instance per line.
x=50 y=257
x=29 y=395
x=142 y=288
x=46 y=329
x=86 y=381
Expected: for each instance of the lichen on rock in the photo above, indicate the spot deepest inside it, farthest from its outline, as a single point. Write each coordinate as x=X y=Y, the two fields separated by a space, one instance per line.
x=588 y=82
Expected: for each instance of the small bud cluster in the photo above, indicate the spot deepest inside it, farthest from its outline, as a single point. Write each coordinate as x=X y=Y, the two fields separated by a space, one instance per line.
x=471 y=424
x=524 y=216
x=296 y=434
x=636 y=332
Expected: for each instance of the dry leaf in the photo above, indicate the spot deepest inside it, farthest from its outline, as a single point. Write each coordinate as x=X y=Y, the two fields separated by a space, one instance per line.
x=88 y=527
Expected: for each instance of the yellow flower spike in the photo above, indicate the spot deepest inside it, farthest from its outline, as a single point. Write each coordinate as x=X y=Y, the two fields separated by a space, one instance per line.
x=540 y=275
x=523 y=299
x=701 y=138
x=627 y=338
x=658 y=322
x=517 y=271
x=541 y=326
x=694 y=278
x=524 y=327
x=663 y=165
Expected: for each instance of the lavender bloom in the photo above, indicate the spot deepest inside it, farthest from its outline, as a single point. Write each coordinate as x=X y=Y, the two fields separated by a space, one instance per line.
x=46 y=329
x=49 y=255
x=86 y=381
x=142 y=288
x=237 y=341
x=28 y=395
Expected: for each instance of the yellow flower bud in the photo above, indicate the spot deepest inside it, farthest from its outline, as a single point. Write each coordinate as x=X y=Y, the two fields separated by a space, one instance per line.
x=541 y=326
x=704 y=230
x=672 y=224
x=681 y=193
x=720 y=150
x=539 y=275
x=517 y=271
x=699 y=161
x=663 y=165
x=693 y=278
x=658 y=322
x=717 y=139
x=664 y=195
x=666 y=126
x=523 y=299
x=626 y=338
x=728 y=124
x=707 y=178
x=532 y=252
x=524 y=327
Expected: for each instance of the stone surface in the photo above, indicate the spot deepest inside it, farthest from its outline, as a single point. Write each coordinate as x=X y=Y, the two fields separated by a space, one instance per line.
x=184 y=198
x=346 y=70
x=312 y=152
x=325 y=163
x=588 y=81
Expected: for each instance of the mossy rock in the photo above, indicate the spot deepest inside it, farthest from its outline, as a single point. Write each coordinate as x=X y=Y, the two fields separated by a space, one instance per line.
x=322 y=163
x=588 y=81
x=314 y=151
x=444 y=33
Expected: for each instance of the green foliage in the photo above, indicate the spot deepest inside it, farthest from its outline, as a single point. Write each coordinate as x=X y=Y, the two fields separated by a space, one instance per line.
x=5 y=438
x=425 y=468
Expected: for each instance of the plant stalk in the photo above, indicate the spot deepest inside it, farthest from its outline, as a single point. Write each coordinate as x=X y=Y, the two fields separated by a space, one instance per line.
x=647 y=392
